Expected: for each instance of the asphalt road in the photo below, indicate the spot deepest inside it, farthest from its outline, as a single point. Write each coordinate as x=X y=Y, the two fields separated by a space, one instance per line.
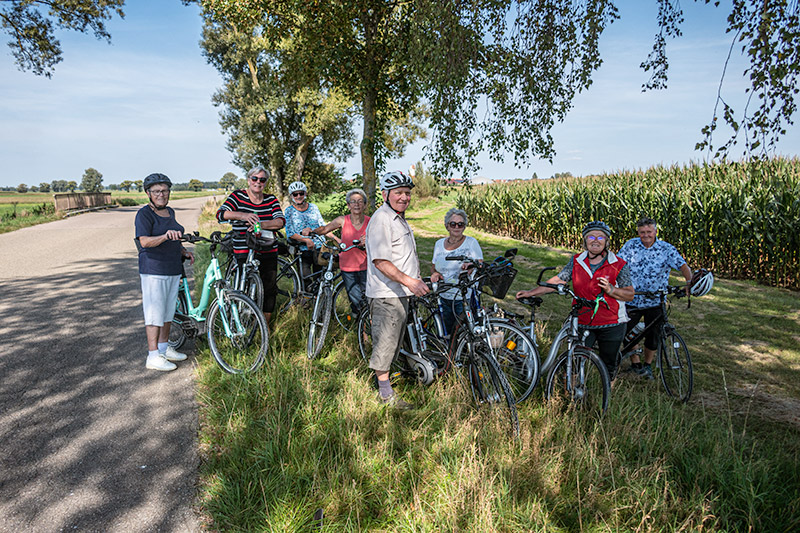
x=89 y=439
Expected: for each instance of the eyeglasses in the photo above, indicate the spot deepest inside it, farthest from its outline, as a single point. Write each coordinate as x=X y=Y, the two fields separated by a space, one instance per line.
x=298 y=193
x=255 y=179
x=165 y=192
x=595 y=238
x=356 y=202
x=457 y=224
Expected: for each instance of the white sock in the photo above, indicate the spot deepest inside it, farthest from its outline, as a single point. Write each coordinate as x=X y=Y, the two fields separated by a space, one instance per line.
x=152 y=353
x=162 y=347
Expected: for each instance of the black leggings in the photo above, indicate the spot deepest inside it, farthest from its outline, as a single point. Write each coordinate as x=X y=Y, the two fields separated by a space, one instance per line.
x=268 y=268
x=608 y=342
x=651 y=315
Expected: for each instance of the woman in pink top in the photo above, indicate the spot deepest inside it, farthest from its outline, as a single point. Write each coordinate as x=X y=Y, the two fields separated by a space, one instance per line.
x=353 y=262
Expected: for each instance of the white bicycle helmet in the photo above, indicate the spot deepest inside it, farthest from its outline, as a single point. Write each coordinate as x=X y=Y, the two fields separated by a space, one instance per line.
x=702 y=281
x=394 y=180
x=297 y=186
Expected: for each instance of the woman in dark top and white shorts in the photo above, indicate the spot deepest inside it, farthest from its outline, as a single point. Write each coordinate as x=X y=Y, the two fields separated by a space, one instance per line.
x=158 y=239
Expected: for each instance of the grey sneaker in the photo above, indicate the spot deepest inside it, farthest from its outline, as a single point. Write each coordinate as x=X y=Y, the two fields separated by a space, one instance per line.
x=395 y=402
x=646 y=372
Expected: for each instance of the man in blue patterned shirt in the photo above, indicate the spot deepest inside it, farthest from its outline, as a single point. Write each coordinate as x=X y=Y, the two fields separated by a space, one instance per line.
x=650 y=260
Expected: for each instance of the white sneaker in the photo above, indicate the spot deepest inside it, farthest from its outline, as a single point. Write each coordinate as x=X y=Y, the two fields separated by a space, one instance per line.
x=174 y=355
x=159 y=362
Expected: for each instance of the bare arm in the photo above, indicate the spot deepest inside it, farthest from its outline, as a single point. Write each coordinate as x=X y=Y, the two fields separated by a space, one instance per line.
x=555 y=280
x=151 y=241
x=388 y=269
x=333 y=225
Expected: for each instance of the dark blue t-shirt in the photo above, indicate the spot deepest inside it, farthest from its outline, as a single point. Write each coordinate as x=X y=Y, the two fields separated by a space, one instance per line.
x=164 y=259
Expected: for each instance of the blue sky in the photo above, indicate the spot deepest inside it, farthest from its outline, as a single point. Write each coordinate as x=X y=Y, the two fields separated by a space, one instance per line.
x=143 y=103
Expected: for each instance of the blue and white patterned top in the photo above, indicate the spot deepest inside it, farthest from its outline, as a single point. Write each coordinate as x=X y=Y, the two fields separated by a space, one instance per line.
x=297 y=220
x=650 y=267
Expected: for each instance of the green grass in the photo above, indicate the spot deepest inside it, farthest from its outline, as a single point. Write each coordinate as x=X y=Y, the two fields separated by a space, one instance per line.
x=302 y=435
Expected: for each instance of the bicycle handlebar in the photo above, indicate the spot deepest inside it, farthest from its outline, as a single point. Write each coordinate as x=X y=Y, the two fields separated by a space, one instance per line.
x=678 y=290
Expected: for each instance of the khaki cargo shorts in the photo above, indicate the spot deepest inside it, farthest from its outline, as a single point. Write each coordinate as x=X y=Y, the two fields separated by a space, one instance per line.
x=388 y=326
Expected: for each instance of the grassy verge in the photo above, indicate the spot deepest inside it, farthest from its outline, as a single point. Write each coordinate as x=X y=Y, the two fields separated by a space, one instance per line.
x=302 y=435
x=25 y=206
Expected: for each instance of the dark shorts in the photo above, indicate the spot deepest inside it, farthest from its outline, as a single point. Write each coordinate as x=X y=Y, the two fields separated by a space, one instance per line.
x=651 y=315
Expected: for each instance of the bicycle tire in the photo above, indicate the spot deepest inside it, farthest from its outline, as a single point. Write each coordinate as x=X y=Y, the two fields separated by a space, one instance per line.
x=516 y=356
x=489 y=384
x=677 y=375
x=587 y=373
x=364 y=334
x=341 y=308
x=252 y=286
x=177 y=337
x=245 y=349
x=288 y=286
x=320 y=321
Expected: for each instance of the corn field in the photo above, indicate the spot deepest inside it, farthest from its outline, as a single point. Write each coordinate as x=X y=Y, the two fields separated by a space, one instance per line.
x=741 y=220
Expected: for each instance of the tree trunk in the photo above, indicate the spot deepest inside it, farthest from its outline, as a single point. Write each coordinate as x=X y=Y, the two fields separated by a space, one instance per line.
x=300 y=156
x=368 y=147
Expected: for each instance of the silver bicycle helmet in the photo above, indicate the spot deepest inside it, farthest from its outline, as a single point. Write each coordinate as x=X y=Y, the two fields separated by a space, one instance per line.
x=394 y=180
x=702 y=281
x=597 y=225
x=297 y=186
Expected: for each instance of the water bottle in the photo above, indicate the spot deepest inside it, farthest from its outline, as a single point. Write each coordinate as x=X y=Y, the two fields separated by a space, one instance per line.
x=638 y=328
x=257 y=228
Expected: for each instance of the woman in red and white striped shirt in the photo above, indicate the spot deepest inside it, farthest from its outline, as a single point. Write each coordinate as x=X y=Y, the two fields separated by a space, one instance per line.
x=243 y=208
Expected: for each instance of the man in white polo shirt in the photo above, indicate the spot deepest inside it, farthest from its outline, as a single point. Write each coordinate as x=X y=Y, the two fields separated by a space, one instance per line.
x=392 y=276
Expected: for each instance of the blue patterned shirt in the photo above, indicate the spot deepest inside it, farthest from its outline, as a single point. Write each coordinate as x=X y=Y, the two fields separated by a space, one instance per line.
x=650 y=267
x=297 y=221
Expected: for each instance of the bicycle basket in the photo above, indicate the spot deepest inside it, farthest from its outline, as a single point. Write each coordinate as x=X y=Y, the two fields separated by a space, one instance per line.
x=226 y=243
x=498 y=282
x=321 y=258
x=259 y=243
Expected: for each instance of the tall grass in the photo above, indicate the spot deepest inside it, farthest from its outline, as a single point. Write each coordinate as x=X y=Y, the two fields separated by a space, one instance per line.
x=740 y=219
x=302 y=435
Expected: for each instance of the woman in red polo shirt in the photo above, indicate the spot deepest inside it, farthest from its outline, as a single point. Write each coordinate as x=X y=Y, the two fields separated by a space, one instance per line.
x=594 y=270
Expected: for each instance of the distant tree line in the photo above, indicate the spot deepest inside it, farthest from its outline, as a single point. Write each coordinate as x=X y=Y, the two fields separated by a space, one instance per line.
x=92 y=181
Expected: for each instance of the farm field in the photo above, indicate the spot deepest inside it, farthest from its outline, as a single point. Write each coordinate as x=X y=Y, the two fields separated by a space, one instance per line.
x=304 y=435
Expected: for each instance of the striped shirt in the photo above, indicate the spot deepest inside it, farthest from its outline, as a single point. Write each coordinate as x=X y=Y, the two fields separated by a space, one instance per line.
x=268 y=209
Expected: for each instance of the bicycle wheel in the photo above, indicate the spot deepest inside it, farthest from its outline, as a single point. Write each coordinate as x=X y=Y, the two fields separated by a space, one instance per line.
x=341 y=308
x=488 y=383
x=364 y=333
x=237 y=333
x=581 y=380
x=177 y=337
x=676 y=367
x=517 y=356
x=320 y=320
x=288 y=283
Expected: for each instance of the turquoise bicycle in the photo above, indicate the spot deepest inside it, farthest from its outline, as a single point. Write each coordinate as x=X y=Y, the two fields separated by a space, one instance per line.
x=235 y=326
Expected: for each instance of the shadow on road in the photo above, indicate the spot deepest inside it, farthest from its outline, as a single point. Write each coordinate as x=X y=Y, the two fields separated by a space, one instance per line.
x=89 y=437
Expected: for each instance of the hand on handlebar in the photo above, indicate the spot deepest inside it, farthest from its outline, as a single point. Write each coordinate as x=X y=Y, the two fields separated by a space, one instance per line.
x=173 y=235
x=436 y=276
x=418 y=287
x=524 y=294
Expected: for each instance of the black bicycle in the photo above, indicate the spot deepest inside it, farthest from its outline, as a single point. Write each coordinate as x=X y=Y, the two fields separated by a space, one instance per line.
x=673 y=362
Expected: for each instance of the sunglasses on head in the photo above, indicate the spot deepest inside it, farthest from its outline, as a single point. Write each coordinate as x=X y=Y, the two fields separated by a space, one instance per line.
x=457 y=224
x=255 y=179
x=298 y=193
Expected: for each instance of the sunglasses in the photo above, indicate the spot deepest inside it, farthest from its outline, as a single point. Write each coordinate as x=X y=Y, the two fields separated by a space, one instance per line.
x=298 y=193
x=255 y=179
x=595 y=238
x=457 y=224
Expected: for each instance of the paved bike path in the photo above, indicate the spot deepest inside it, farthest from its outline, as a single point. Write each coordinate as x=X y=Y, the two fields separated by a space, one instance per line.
x=89 y=439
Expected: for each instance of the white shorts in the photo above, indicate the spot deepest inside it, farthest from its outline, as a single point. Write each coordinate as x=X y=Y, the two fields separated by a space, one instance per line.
x=159 y=298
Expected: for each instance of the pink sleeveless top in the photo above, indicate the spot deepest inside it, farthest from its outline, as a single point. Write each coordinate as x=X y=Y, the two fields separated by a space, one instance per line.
x=354 y=260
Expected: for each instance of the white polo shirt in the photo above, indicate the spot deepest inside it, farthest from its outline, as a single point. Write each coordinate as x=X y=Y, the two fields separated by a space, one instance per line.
x=390 y=237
